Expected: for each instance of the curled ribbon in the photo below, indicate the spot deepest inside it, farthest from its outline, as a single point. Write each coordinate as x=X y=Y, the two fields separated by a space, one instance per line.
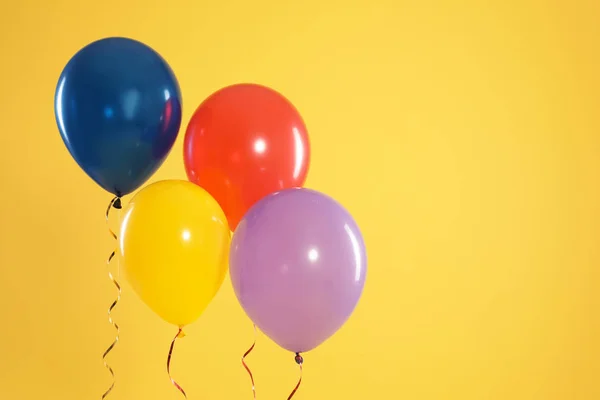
x=299 y=360
x=179 y=335
x=246 y=366
x=114 y=203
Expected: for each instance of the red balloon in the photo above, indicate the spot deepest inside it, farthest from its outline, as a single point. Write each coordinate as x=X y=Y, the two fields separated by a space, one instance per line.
x=244 y=142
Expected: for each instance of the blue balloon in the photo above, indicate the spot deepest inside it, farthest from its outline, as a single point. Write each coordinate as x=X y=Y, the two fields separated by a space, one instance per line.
x=118 y=109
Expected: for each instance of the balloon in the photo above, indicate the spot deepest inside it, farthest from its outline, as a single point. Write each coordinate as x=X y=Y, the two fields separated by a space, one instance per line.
x=118 y=110
x=174 y=243
x=244 y=142
x=298 y=267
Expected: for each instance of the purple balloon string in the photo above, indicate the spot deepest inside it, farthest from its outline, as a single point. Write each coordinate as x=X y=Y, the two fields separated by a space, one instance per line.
x=299 y=361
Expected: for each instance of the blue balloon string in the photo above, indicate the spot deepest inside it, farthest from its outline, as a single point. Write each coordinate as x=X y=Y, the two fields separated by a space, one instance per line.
x=116 y=203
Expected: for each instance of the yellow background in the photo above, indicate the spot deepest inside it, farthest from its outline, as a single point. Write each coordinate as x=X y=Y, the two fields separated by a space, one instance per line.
x=463 y=136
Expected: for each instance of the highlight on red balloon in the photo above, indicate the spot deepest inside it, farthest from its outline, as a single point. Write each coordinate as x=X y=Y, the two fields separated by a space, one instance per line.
x=244 y=142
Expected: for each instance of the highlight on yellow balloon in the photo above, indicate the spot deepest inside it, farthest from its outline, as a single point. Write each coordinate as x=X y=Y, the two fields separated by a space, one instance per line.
x=174 y=244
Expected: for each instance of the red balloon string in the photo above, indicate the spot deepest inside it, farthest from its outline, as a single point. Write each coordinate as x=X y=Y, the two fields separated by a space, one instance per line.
x=299 y=360
x=114 y=203
x=246 y=366
x=179 y=335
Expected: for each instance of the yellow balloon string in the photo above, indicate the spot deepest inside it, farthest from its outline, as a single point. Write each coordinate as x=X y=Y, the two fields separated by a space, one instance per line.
x=246 y=366
x=179 y=335
x=299 y=361
x=116 y=203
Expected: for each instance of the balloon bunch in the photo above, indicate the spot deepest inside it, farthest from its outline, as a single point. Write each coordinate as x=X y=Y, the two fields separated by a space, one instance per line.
x=296 y=259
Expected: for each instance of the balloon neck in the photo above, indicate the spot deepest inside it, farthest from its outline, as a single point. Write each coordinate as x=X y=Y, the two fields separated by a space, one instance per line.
x=117 y=203
x=181 y=333
x=299 y=360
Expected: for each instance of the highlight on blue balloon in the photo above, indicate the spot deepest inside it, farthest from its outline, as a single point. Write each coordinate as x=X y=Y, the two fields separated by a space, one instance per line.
x=118 y=109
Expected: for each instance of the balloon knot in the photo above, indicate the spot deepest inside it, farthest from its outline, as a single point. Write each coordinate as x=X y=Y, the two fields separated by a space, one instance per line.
x=181 y=334
x=117 y=203
x=299 y=360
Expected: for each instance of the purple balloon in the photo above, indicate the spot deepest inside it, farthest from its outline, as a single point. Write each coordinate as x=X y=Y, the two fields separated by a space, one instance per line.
x=298 y=267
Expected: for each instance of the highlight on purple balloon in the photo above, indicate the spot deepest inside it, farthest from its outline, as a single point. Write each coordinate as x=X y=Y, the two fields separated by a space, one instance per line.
x=298 y=266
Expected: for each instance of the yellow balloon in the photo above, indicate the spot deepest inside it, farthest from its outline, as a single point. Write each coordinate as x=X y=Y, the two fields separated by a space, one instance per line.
x=174 y=245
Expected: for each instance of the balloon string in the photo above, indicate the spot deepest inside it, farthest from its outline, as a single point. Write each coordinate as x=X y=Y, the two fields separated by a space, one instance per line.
x=299 y=360
x=179 y=335
x=246 y=365
x=116 y=203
